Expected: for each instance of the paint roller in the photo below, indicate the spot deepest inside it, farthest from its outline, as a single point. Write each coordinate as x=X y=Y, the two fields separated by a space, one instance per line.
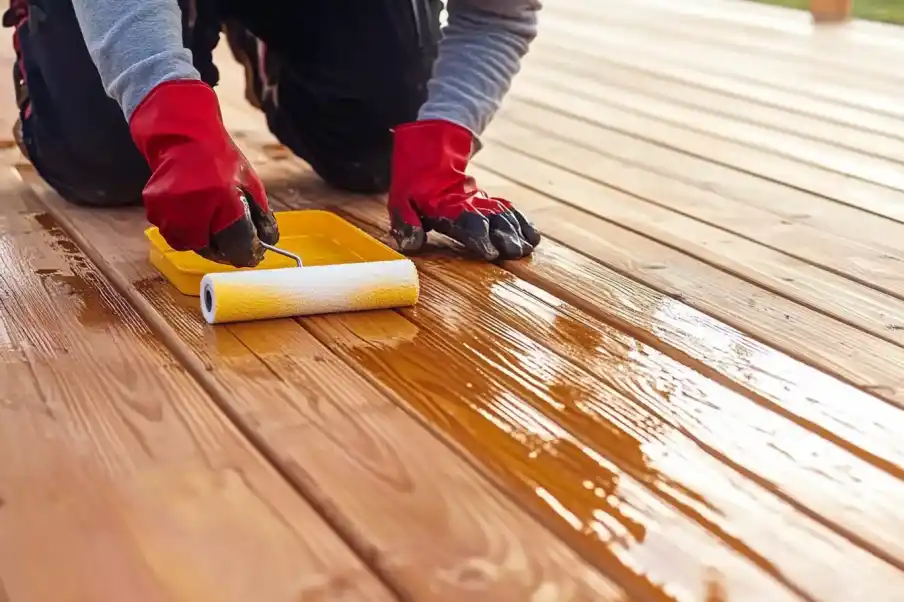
x=263 y=294
x=242 y=296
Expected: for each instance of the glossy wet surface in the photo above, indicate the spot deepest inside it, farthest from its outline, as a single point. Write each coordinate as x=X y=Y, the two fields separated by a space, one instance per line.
x=692 y=391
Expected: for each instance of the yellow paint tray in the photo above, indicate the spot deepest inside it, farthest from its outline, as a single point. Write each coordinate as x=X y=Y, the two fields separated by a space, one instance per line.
x=318 y=237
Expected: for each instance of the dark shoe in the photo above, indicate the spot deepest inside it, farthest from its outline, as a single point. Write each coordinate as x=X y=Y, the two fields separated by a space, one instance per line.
x=261 y=67
x=17 y=136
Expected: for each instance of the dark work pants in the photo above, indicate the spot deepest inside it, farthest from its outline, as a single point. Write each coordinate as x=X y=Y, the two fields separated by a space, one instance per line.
x=346 y=71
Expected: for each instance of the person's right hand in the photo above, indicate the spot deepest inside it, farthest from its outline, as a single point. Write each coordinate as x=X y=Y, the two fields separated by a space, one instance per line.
x=203 y=194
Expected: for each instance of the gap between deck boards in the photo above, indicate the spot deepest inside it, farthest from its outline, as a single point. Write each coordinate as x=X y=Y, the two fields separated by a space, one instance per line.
x=523 y=560
x=622 y=579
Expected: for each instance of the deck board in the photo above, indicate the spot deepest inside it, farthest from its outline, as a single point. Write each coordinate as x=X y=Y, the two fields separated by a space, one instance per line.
x=642 y=244
x=691 y=392
x=795 y=222
x=785 y=171
x=385 y=483
x=845 y=86
x=653 y=60
x=519 y=320
x=307 y=194
x=551 y=358
x=696 y=22
x=120 y=478
x=824 y=272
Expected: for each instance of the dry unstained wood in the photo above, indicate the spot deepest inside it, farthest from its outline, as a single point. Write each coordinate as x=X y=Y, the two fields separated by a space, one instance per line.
x=629 y=87
x=772 y=17
x=819 y=47
x=719 y=50
x=653 y=60
x=788 y=144
x=838 y=187
x=120 y=479
x=845 y=87
x=429 y=524
x=548 y=169
x=798 y=223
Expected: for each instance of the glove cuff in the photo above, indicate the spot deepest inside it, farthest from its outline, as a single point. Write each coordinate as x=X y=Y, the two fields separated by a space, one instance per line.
x=173 y=112
x=434 y=132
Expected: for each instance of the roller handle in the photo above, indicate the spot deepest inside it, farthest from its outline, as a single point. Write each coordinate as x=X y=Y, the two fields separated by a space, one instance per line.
x=284 y=253
x=243 y=195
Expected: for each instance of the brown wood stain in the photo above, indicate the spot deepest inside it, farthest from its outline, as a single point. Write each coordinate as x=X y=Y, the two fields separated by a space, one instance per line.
x=120 y=478
x=381 y=479
x=743 y=474
x=582 y=341
x=860 y=423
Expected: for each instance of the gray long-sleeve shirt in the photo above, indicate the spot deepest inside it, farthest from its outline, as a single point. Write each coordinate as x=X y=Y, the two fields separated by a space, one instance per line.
x=137 y=44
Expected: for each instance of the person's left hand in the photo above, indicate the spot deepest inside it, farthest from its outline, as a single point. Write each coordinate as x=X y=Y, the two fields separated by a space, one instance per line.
x=429 y=190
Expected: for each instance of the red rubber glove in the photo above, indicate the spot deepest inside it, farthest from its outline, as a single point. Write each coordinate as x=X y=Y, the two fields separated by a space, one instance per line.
x=430 y=191
x=203 y=194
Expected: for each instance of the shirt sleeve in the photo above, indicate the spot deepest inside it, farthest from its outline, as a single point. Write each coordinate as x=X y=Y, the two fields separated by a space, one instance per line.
x=479 y=55
x=135 y=45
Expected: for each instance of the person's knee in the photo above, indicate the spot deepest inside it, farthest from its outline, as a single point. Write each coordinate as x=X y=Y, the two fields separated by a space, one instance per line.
x=364 y=175
x=94 y=190
x=111 y=180
x=106 y=194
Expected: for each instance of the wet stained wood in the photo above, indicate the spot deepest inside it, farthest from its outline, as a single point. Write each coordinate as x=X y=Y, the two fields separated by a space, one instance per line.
x=863 y=424
x=120 y=478
x=858 y=421
x=839 y=285
x=428 y=523
x=556 y=388
x=486 y=282
x=864 y=361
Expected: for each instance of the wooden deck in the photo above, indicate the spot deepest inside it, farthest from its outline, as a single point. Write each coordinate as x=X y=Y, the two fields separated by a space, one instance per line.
x=693 y=391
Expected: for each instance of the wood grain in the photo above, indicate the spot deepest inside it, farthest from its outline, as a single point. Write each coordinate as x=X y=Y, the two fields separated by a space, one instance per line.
x=383 y=481
x=848 y=87
x=838 y=285
x=832 y=185
x=620 y=85
x=485 y=282
x=727 y=196
x=655 y=60
x=779 y=142
x=783 y=384
x=120 y=478
x=573 y=347
x=830 y=346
